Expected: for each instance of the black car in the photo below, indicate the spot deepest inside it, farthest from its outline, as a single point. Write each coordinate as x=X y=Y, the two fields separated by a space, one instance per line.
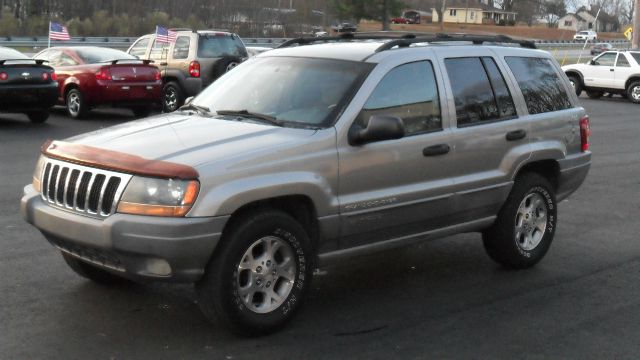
x=599 y=48
x=346 y=27
x=26 y=85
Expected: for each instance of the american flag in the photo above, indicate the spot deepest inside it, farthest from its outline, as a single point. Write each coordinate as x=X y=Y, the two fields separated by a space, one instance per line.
x=165 y=36
x=58 y=32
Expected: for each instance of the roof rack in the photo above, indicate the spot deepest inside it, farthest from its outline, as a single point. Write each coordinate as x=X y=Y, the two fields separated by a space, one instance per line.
x=402 y=39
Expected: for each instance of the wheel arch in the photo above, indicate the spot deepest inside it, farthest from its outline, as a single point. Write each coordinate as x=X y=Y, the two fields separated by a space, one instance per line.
x=577 y=73
x=632 y=78
x=548 y=168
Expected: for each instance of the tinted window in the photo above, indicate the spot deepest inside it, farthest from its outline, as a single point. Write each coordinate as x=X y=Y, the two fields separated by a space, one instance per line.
x=181 y=47
x=636 y=56
x=607 y=59
x=622 y=61
x=472 y=92
x=506 y=107
x=98 y=55
x=408 y=92
x=541 y=86
x=140 y=47
x=211 y=46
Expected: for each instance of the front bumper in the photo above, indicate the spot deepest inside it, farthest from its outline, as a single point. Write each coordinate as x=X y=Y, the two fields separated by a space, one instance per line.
x=141 y=248
x=573 y=172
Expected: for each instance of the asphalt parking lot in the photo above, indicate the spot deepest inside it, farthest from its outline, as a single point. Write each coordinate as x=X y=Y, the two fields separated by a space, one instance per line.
x=441 y=299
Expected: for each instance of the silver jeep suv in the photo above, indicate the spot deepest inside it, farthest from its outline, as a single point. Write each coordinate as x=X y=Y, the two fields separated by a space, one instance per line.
x=316 y=152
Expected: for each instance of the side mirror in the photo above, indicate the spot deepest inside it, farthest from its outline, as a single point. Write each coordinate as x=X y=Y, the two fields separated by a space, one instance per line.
x=188 y=100
x=592 y=62
x=380 y=127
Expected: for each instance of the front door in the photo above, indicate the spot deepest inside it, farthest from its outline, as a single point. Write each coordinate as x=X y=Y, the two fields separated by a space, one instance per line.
x=601 y=70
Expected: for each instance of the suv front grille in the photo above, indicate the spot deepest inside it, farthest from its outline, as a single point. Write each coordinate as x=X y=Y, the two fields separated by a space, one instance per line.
x=82 y=189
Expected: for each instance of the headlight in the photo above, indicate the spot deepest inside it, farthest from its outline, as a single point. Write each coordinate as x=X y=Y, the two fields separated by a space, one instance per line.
x=37 y=174
x=158 y=197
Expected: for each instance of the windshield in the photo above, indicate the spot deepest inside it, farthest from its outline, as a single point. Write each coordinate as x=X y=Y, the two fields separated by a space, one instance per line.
x=302 y=91
x=213 y=45
x=98 y=55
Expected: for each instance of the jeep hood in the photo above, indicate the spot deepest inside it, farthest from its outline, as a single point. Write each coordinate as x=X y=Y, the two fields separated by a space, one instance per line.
x=190 y=139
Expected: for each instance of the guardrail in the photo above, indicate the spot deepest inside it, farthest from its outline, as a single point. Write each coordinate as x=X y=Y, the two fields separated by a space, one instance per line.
x=125 y=42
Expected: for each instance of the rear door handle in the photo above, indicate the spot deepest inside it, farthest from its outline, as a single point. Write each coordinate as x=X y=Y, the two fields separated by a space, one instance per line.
x=436 y=150
x=516 y=135
x=611 y=70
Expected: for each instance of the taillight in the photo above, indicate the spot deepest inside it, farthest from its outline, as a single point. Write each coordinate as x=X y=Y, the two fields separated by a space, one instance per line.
x=103 y=74
x=45 y=76
x=194 y=69
x=3 y=76
x=157 y=75
x=54 y=77
x=585 y=132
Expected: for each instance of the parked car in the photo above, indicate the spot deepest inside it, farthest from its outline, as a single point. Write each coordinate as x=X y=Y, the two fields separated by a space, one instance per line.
x=192 y=62
x=614 y=72
x=312 y=153
x=90 y=77
x=399 y=20
x=585 y=35
x=599 y=48
x=345 y=27
x=320 y=33
x=26 y=86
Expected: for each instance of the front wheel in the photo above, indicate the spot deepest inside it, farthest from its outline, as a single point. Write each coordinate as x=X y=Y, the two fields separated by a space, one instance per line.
x=577 y=85
x=76 y=105
x=595 y=94
x=633 y=92
x=172 y=97
x=259 y=276
x=38 y=117
x=141 y=112
x=525 y=226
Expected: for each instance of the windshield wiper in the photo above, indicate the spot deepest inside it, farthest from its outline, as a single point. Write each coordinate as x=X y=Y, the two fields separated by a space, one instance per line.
x=202 y=110
x=246 y=113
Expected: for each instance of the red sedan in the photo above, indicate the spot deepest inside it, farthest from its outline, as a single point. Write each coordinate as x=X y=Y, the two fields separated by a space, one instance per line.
x=91 y=76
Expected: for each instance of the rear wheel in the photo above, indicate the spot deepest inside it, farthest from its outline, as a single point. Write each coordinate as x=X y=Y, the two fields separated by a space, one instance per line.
x=38 y=117
x=76 y=105
x=172 y=97
x=633 y=92
x=577 y=85
x=259 y=276
x=526 y=224
x=91 y=272
x=595 y=94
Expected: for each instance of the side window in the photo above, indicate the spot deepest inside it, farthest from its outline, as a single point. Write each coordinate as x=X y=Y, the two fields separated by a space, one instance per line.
x=409 y=92
x=479 y=91
x=622 y=61
x=140 y=47
x=66 y=60
x=181 y=47
x=44 y=55
x=55 y=57
x=158 y=51
x=607 y=59
x=541 y=86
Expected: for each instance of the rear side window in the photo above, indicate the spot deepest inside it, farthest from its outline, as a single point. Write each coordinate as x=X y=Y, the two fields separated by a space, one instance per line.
x=479 y=91
x=636 y=56
x=409 y=92
x=622 y=61
x=541 y=86
x=140 y=47
x=181 y=47
x=158 y=51
x=213 y=46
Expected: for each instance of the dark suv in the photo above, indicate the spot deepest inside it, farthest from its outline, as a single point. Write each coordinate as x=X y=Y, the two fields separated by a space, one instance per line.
x=192 y=62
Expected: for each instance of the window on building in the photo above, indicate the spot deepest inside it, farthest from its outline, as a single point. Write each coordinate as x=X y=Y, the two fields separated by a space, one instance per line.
x=568 y=23
x=452 y=12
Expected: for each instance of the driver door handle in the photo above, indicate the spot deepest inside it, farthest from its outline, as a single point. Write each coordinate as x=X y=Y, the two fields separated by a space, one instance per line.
x=436 y=150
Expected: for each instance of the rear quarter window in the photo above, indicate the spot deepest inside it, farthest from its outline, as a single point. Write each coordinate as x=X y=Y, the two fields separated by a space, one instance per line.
x=540 y=84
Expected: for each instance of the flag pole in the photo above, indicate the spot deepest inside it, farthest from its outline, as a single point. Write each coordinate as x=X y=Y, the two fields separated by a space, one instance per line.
x=49 y=40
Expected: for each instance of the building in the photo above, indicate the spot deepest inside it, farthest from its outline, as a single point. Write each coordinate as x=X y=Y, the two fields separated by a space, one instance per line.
x=473 y=12
x=584 y=19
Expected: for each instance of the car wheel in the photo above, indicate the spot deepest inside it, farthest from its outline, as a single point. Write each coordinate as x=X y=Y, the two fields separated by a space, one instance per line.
x=595 y=94
x=38 y=117
x=225 y=64
x=258 y=277
x=141 y=112
x=576 y=83
x=172 y=97
x=91 y=272
x=76 y=106
x=633 y=92
x=526 y=224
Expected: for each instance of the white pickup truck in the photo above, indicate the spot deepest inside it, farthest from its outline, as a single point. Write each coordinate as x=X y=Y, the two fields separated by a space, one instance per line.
x=614 y=72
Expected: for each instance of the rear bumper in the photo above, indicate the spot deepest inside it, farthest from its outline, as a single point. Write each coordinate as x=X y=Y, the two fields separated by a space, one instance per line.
x=141 y=248
x=22 y=98
x=573 y=172
x=127 y=94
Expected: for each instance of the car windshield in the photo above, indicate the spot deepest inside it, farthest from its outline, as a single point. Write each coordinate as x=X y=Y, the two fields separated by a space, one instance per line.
x=294 y=91
x=98 y=55
x=214 y=45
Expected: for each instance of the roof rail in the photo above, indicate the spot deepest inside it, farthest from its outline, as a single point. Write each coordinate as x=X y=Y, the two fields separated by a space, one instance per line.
x=221 y=30
x=475 y=39
x=180 y=29
x=346 y=37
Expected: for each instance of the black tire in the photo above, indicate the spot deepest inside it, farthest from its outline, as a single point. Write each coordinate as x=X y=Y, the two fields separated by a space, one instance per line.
x=225 y=64
x=76 y=106
x=172 y=96
x=220 y=289
x=91 y=272
x=502 y=241
x=141 y=112
x=634 y=88
x=38 y=117
x=595 y=94
x=577 y=84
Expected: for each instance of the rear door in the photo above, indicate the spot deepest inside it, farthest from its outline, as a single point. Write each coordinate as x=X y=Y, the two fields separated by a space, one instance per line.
x=600 y=73
x=180 y=52
x=623 y=70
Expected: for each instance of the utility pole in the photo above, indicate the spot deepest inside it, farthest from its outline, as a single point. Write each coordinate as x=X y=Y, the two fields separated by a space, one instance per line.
x=441 y=19
x=635 y=42
x=385 y=15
